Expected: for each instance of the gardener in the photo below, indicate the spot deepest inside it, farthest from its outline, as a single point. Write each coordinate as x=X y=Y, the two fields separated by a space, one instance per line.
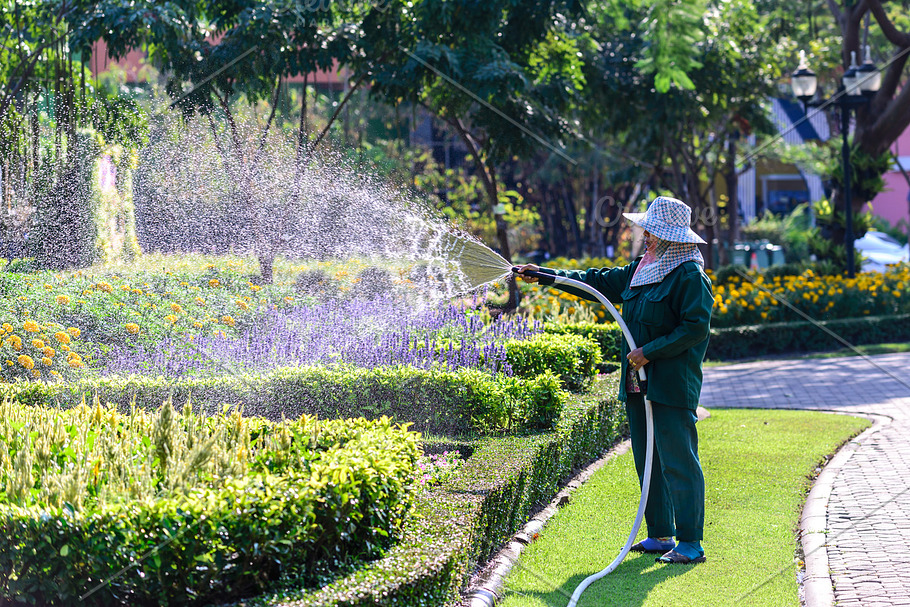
x=666 y=302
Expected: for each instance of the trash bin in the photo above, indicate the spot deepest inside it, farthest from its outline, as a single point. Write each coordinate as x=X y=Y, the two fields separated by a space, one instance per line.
x=775 y=254
x=742 y=252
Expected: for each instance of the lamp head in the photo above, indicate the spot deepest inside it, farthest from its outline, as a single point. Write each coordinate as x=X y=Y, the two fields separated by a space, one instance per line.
x=870 y=78
x=803 y=81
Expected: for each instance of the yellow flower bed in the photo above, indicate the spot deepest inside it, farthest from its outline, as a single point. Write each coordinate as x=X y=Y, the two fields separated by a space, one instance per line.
x=742 y=301
x=756 y=300
x=19 y=358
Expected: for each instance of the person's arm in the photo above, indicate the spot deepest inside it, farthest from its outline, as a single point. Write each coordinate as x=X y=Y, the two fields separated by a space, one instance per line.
x=695 y=302
x=609 y=281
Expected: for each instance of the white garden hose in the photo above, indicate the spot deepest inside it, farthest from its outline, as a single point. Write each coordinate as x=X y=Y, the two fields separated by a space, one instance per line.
x=649 y=424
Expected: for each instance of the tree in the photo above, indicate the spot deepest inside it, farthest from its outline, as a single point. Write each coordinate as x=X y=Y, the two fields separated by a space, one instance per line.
x=684 y=136
x=830 y=32
x=54 y=123
x=214 y=52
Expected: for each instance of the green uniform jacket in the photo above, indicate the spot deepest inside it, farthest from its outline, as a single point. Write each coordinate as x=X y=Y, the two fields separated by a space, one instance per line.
x=671 y=319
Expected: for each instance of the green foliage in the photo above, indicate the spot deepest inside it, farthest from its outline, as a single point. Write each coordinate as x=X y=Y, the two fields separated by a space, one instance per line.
x=235 y=503
x=866 y=173
x=572 y=357
x=673 y=29
x=462 y=521
x=464 y=401
x=750 y=341
x=113 y=210
x=608 y=336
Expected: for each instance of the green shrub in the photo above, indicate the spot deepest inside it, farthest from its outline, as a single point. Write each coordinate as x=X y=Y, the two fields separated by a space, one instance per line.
x=787 y=337
x=178 y=509
x=444 y=402
x=461 y=522
x=572 y=358
x=608 y=336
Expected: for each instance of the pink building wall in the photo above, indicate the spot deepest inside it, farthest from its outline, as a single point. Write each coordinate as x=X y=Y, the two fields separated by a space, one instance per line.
x=136 y=59
x=892 y=204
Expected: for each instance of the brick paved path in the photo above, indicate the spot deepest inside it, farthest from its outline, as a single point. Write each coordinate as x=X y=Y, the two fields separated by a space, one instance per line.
x=869 y=508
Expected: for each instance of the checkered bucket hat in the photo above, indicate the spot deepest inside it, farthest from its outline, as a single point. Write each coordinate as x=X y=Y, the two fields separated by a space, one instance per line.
x=668 y=219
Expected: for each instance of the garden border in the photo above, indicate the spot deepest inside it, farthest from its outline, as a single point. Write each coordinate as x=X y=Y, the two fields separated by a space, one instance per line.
x=464 y=521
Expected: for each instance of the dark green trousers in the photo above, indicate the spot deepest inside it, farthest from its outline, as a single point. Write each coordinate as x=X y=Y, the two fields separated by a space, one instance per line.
x=676 y=498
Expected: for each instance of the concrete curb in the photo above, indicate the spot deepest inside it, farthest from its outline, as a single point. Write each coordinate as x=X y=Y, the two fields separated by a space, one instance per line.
x=817 y=585
x=486 y=587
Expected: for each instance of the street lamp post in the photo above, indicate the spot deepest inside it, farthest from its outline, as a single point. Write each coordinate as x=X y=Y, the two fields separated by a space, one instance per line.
x=858 y=85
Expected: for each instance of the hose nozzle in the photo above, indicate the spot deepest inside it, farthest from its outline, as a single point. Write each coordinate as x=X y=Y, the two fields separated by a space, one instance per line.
x=545 y=279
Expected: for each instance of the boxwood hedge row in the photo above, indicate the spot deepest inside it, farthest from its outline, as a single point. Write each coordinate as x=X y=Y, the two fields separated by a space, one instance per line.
x=458 y=525
x=437 y=401
x=201 y=509
x=607 y=336
x=786 y=337
x=572 y=357
x=770 y=338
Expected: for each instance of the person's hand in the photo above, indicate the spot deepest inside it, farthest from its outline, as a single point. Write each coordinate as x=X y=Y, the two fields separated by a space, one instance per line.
x=530 y=267
x=636 y=359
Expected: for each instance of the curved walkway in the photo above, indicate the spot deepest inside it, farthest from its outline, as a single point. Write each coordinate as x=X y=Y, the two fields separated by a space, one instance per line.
x=868 y=510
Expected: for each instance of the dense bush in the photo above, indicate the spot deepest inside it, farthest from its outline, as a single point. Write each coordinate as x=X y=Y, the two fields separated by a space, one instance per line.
x=608 y=336
x=573 y=358
x=784 y=338
x=180 y=509
x=434 y=400
x=464 y=520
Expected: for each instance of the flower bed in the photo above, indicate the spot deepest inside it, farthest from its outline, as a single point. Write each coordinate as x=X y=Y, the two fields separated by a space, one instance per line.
x=739 y=301
x=182 y=509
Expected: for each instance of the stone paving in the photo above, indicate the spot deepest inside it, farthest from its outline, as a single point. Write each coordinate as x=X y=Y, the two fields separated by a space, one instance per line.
x=868 y=517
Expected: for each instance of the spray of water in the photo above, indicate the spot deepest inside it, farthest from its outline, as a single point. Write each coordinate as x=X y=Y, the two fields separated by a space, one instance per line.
x=214 y=188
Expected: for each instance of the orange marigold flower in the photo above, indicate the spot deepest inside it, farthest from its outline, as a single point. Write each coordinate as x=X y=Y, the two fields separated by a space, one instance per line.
x=171 y=317
x=75 y=332
x=131 y=328
x=38 y=344
x=31 y=326
x=214 y=282
x=26 y=361
x=76 y=364
x=48 y=351
x=228 y=320
x=177 y=308
x=242 y=305
x=62 y=300
x=62 y=336
x=47 y=362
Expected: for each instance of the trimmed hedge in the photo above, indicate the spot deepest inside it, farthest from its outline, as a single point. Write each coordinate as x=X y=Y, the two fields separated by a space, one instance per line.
x=751 y=341
x=607 y=336
x=780 y=338
x=573 y=358
x=169 y=509
x=462 y=522
x=437 y=401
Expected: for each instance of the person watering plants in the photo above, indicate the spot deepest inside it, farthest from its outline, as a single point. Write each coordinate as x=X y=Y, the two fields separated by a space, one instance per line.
x=666 y=301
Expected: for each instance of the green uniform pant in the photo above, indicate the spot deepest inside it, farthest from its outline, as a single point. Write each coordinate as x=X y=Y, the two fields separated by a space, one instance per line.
x=676 y=498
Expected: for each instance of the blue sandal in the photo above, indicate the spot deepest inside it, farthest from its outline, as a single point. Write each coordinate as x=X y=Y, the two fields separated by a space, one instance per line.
x=675 y=558
x=653 y=546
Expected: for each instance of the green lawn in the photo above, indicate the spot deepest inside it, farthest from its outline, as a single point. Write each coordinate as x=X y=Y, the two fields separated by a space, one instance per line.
x=757 y=465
